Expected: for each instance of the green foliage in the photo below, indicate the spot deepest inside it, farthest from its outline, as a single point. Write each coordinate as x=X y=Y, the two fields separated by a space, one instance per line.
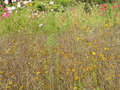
x=41 y=7
x=46 y=6
x=64 y=2
x=51 y=40
x=95 y=1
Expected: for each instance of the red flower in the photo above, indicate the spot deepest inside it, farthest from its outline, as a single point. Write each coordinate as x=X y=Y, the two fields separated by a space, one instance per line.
x=103 y=5
x=118 y=5
x=116 y=15
x=114 y=1
x=102 y=9
x=115 y=7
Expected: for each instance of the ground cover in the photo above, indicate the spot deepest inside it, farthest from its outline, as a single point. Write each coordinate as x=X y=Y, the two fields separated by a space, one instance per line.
x=60 y=46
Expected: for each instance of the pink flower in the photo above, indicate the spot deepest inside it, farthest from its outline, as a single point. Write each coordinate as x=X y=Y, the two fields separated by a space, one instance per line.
x=0 y=5
x=116 y=15
x=101 y=14
x=9 y=11
x=102 y=9
x=5 y=9
x=118 y=5
x=103 y=5
x=5 y=15
x=114 y=6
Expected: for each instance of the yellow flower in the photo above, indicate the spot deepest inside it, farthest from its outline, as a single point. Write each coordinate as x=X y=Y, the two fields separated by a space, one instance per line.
x=21 y=87
x=87 y=57
x=61 y=78
x=56 y=51
x=65 y=56
x=76 y=78
x=84 y=70
x=8 y=87
x=46 y=71
x=1 y=72
x=1 y=84
x=30 y=4
x=68 y=73
x=89 y=43
x=108 y=78
x=38 y=72
x=106 y=25
x=42 y=12
x=106 y=48
x=78 y=38
x=83 y=28
x=36 y=78
x=101 y=55
x=13 y=41
x=63 y=53
x=10 y=82
x=74 y=69
x=68 y=69
x=15 y=85
x=104 y=58
x=75 y=88
x=94 y=53
x=13 y=75
x=119 y=75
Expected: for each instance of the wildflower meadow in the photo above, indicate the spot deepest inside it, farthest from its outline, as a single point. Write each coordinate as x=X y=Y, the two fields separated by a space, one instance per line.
x=60 y=45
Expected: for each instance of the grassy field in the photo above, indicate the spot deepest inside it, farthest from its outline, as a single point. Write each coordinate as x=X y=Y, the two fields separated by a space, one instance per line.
x=74 y=48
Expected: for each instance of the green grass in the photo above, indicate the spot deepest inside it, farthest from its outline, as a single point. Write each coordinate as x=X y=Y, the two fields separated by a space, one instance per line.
x=71 y=50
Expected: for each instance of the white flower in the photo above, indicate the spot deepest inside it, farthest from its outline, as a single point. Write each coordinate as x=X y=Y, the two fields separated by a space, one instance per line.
x=51 y=3
x=25 y=2
x=18 y=5
x=35 y=14
x=16 y=11
x=6 y=2
x=13 y=8
x=28 y=9
x=30 y=0
x=38 y=16
x=97 y=5
x=52 y=10
x=13 y=1
x=40 y=25
x=9 y=9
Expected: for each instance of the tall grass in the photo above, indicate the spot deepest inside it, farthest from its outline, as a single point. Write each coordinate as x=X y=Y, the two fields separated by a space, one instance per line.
x=73 y=50
x=72 y=60
x=56 y=22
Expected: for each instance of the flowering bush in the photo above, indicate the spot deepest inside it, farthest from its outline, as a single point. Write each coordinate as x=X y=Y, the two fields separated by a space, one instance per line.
x=48 y=6
x=97 y=1
x=110 y=10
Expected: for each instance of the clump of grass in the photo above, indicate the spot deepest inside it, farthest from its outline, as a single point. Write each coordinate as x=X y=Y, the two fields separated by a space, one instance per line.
x=79 y=60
